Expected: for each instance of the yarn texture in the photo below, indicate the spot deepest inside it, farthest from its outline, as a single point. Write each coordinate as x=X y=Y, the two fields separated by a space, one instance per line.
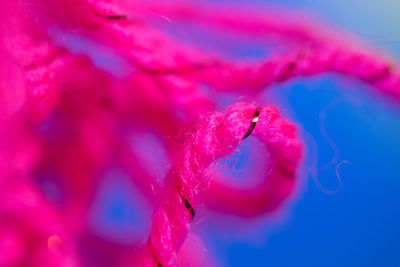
x=81 y=80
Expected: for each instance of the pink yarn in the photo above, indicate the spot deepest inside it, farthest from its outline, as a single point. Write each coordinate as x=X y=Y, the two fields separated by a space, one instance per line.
x=140 y=43
x=214 y=137
x=316 y=53
x=71 y=117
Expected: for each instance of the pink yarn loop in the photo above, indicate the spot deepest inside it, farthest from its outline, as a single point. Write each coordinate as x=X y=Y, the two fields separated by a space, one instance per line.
x=215 y=136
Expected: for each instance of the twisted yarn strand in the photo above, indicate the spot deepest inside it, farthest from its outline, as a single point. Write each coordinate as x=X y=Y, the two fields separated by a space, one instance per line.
x=218 y=135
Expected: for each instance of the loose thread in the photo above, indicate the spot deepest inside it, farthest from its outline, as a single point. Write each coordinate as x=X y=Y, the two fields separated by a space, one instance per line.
x=117 y=17
x=290 y=68
x=253 y=123
x=187 y=204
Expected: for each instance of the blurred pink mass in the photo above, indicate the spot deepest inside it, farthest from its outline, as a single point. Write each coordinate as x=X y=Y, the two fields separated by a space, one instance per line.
x=81 y=81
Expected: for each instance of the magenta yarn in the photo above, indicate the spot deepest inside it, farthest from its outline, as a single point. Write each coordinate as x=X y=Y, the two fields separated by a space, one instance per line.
x=66 y=116
x=214 y=137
